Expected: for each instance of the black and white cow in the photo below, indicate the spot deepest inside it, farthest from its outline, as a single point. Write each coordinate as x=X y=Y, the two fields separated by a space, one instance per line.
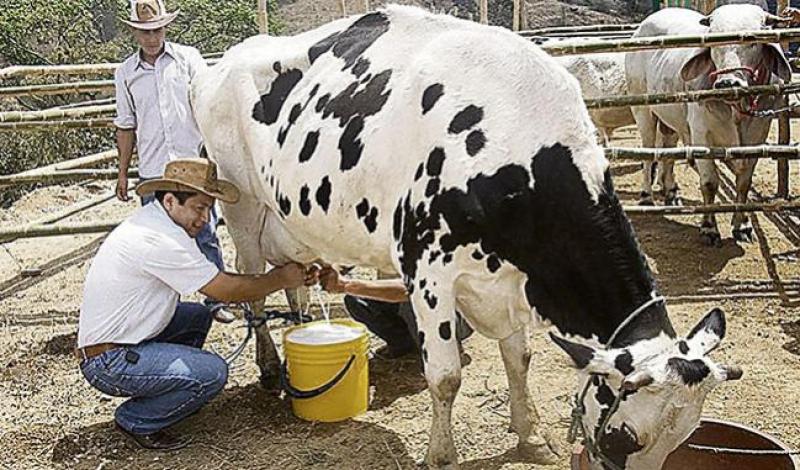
x=462 y=157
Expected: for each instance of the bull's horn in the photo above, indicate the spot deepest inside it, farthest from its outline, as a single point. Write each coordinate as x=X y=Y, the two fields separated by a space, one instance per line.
x=636 y=381
x=732 y=372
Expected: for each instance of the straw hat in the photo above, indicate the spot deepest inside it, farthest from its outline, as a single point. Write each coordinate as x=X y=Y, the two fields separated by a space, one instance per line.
x=149 y=15
x=192 y=174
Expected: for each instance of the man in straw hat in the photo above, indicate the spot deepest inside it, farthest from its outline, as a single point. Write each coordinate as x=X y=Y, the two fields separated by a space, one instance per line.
x=154 y=114
x=135 y=338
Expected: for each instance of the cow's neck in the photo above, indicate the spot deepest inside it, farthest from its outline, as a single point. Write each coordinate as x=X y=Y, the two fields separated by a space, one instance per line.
x=590 y=274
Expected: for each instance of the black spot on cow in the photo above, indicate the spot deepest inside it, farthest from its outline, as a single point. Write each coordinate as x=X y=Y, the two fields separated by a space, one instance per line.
x=423 y=283
x=369 y=215
x=444 y=330
x=424 y=355
x=683 y=347
x=362 y=208
x=435 y=162
x=421 y=339
x=321 y=102
x=266 y=110
x=477 y=255
x=604 y=395
x=624 y=362
x=285 y=205
x=465 y=119
x=476 y=140
x=351 y=43
x=432 y=187
x=430 y=299
x=430 y=96
x=366 y=78
x=263 y=168
x=312 y=138
x=691 y=372
x=578 y=251
x=493 y=263
x=323 y=194
x=397 y=220
x=351 y=107
x=447 y=258
x=434 y=256
x=305 y=202
x=362 y=65
x=420 y=170
x=293 y=115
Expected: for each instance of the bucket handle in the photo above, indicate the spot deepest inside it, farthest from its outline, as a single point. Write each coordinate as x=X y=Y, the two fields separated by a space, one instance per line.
x=304 y=394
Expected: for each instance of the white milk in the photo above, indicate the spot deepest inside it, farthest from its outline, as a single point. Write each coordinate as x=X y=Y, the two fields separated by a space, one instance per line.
x=324 y=333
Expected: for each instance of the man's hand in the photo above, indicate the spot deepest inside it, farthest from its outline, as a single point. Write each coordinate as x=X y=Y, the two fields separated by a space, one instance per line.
x=330 y=280
x=122 y=187
x=294 y=275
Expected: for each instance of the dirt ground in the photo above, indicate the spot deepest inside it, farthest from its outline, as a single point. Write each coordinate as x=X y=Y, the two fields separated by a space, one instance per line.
x=49 y=416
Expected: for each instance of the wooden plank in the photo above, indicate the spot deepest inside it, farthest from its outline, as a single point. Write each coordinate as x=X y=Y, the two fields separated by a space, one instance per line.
x=784 y=137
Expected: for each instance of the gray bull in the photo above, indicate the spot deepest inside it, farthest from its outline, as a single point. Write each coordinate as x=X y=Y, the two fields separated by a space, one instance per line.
x=709 y=123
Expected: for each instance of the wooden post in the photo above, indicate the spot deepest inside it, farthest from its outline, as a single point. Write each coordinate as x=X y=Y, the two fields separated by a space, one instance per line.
x=344 y=8
x=262 y=17
x=366 y=6
x=784 y=136
x=523 y=15
x=515 y=17
x=708 y=6
x=485 y=11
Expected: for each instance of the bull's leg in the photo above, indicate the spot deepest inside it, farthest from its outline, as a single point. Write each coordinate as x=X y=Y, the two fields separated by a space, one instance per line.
x=709 y=183
x=740 y=221
x=648 y=128
x=669 y=139
x=524 y=418
x=439 y=348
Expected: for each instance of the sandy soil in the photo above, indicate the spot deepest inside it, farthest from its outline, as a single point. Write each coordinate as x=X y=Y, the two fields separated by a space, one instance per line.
x=49 y=417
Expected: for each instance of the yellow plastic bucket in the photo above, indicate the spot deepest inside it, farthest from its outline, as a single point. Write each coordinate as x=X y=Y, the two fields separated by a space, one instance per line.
x=327 y=382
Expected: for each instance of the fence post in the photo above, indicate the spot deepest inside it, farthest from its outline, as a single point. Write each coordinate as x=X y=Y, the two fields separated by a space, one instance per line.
x=485 y=11
x=784 y=136
x=515 y=16
x=261 y=17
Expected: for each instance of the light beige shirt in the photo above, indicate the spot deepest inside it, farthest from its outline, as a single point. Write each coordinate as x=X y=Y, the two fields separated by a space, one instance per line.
x=154 y=100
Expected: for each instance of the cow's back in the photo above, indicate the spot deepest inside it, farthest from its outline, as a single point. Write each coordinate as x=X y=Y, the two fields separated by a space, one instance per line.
x=333 y=128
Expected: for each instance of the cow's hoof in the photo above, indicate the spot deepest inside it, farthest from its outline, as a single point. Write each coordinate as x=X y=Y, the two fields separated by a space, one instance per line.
x=538 y=451
x=744 y=235
x=271 y=382
x=442 y=463
x=711 y=238
x=673 y=200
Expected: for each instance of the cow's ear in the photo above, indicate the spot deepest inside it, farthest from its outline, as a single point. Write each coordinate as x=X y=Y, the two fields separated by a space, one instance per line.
x=707 y=334
x=705 y=21
x=780 y=66
x=698 y=64
x=585 y=357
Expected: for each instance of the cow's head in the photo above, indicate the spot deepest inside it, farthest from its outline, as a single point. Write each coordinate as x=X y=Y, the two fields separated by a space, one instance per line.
x=738 y=64
x=658 y=387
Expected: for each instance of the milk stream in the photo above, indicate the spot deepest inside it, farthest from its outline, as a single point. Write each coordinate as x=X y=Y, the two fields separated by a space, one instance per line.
x=323 y=332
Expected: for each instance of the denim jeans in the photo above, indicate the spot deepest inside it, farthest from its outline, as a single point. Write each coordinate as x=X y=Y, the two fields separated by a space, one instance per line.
x=167 y=378
x=394 y=322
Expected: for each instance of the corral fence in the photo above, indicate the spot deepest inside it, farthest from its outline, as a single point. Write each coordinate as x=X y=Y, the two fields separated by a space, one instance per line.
x=98 y=114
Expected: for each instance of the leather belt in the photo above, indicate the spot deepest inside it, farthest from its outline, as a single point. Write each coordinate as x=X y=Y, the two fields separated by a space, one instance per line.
x=95 y=350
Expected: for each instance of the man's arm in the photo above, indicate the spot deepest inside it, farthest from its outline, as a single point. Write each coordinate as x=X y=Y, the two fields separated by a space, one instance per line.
x=229 y=287
x=386 y=290
x=126 y=138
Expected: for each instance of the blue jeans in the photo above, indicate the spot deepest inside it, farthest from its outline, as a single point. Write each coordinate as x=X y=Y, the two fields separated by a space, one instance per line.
x=167 y=378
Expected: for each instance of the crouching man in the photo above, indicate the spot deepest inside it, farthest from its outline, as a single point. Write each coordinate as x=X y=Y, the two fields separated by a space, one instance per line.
x=135 y=338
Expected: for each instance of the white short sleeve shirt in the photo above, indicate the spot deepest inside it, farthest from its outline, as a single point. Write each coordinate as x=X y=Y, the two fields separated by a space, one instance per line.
x=154 y=100
x=137 y=277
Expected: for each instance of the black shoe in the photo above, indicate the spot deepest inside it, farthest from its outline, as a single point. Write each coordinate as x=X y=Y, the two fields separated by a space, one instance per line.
x=389 y=353
x=159 y=440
